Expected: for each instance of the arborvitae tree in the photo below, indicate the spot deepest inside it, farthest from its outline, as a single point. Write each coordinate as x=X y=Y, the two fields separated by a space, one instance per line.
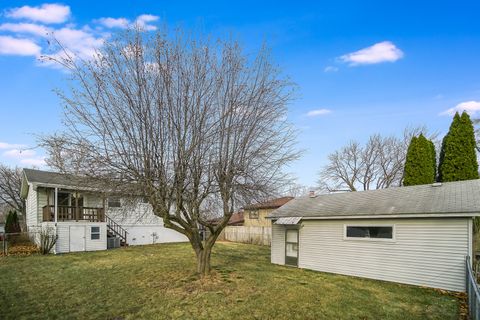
x=458 y=158
x=420 y=164
x=12 y=224
x=433 y=159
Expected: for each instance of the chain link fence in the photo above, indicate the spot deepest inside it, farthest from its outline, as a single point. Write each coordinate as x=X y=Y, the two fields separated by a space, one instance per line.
x=473 y=293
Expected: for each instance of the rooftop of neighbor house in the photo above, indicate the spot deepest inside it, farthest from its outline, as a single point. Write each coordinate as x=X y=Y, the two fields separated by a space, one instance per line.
x=269 y=204
x=454 y=198
x=236 y=218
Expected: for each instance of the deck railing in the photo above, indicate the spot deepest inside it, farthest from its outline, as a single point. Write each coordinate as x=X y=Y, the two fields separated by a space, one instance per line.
x=116 y=229
x=72 y=213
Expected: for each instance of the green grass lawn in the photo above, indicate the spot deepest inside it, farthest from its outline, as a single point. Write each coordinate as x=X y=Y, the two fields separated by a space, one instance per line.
x=158 y=282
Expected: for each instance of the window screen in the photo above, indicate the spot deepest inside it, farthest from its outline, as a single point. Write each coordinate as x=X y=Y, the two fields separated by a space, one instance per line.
x=114 y=202
x=95 y=233
x=369 y=232
x=292 y=236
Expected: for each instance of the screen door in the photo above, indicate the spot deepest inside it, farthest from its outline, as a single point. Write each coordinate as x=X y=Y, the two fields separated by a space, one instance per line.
x=291 y=247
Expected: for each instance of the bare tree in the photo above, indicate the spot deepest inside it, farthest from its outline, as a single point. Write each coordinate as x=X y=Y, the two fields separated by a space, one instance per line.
x=376 y=165
x=294 y=189
x=344 y=167
x=10 y=184
x=194 y=125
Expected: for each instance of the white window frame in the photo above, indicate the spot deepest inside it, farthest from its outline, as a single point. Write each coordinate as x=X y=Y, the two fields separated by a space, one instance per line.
x=393 y=239
x=99 y=233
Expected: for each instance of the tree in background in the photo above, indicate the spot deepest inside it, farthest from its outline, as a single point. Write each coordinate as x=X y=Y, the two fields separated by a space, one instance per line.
x=10 y=183
x=376 y=165
x=12 y=225
x=458 y=158
x=420 y=163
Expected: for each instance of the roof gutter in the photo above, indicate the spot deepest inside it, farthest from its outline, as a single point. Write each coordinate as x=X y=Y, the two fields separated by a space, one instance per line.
x=387 y=216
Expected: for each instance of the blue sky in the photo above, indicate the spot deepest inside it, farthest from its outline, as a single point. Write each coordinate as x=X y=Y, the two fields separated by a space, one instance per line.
x=361 y=68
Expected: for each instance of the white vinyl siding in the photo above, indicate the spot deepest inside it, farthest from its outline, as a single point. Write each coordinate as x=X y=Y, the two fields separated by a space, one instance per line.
x=142 y=225
x=150 y=234
x=31 y=207
x=65 y=240
x=41 y=202
x=278 y=244
x=425 y=252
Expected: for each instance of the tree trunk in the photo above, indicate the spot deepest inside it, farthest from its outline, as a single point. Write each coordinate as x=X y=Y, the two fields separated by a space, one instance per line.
x=203 y=261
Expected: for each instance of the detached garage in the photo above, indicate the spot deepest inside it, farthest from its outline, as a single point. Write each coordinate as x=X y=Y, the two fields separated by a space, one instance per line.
x=416 y=235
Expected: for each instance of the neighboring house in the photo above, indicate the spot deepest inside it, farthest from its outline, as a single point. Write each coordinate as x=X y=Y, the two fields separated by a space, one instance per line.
x=416 y=235
x=82 y=216
x=255 y=214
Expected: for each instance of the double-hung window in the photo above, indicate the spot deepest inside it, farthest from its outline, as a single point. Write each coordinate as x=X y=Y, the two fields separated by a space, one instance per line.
x=95 y=233
x=114 y=202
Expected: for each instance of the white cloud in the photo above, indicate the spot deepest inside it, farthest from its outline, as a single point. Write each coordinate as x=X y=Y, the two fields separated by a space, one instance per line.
x=122 y=23
x=19 y=47
x=18 y=153
x=30 y=28
x=5 y=145
x=78 y=43
x=471 y=107
x=380 y=52
x=143 y=21
x=37 y=162
x=46 y=13
x=330 y=69
x=318 y=112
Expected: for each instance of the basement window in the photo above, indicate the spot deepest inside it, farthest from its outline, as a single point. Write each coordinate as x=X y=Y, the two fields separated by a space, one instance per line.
x=369 y=232
x=95 y=233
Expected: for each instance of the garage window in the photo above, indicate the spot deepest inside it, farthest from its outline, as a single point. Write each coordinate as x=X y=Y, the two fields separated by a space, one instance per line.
x=369 y=232
x=95 y=233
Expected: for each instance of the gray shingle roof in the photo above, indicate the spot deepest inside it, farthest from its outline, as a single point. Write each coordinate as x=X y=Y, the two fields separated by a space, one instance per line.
x=55 y=178
x=450 y=197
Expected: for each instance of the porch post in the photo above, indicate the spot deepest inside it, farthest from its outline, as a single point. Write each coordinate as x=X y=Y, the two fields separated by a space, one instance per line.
x=56 y=205
x=103 y=209
x=77 y=211
x=49 y=211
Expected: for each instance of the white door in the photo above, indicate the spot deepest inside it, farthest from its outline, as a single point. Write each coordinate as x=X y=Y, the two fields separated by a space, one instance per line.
x=77 y=238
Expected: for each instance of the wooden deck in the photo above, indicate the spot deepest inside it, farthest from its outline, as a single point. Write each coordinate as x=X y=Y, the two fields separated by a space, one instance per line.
x=72 y=213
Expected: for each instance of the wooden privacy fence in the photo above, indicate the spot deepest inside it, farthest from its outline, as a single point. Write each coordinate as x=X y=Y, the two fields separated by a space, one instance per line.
x=253 y=235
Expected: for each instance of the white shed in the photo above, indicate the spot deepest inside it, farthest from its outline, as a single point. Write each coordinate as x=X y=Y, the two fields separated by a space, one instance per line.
x=416 y=235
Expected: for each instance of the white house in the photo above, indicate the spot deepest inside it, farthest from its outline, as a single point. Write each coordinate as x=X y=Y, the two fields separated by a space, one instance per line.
x=83 y=218
x=418 y=235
